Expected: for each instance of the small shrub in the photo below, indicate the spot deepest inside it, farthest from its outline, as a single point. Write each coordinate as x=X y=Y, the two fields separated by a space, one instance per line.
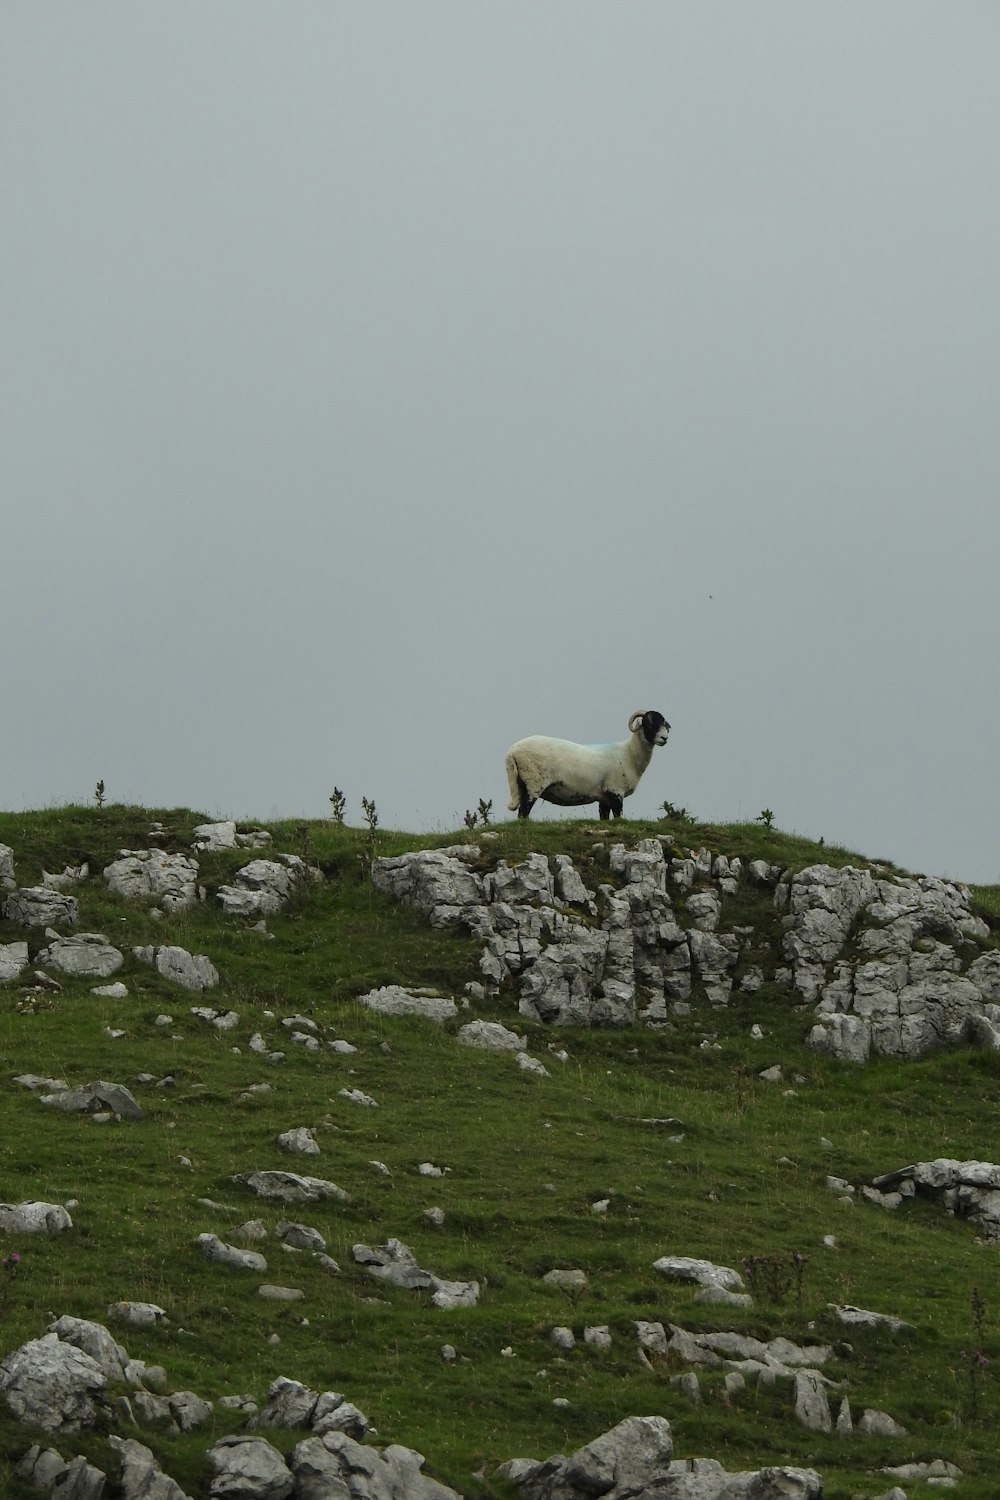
x=766 y=817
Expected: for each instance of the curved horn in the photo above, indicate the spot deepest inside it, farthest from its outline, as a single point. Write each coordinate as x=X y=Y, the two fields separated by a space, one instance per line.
x=635 y=723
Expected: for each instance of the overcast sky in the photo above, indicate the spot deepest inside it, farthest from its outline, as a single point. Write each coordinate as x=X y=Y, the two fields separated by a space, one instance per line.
x=383 y=382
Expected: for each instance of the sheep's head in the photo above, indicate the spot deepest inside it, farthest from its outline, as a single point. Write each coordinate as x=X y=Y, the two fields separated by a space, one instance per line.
x=652 y=725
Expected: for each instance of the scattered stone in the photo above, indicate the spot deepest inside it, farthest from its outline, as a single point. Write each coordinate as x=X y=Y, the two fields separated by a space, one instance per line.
x=34 y=1218
x=139 y=1314
x=290 y=1187
x=13 y=961
x=879 y=1424
x=96 y=1098
x=280 y=1293
x=299 y=1236
x=301 y=1141
x=491 y=1036
x=574 y=1280
x=860 y=1317
x=684 y=1268
x=229 y=1255
x=396 y=1264
x=192 y=971
x=393 y=1000
x=355 y=1096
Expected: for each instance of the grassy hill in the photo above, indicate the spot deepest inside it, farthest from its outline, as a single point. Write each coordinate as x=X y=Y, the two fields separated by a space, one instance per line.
x=743 y=1175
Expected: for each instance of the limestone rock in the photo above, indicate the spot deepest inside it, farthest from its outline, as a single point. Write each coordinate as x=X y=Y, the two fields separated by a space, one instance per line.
x=490 y=1035
x=264 y=887
x=34 y=1218
x=230 y=1255
x=192 y=971
x=139 y=1314
x=396 y=1264
x=970 y=1189
x=87 y=955
x=13 y=961
x=7 y=879
x=208 y=837
x=335 y=1465
x=141 y=1476
x=171 y=880
x=96 y=1341
x=53 y=1385
x=300 y=1141
x=684 y=1268
x=37 y=906
x=393 y=1000
x=248 y=1468
x=632 y=1459
x=290 y=1187
x=95 y=1097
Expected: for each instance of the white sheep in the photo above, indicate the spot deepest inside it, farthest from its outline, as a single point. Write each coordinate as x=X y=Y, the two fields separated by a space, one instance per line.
x=572 y=775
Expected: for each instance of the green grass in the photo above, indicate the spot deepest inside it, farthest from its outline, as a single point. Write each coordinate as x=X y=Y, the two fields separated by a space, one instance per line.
x=526 y=1158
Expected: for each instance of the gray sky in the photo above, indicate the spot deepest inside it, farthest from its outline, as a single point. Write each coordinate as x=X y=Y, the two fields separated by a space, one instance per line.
x=382 y=382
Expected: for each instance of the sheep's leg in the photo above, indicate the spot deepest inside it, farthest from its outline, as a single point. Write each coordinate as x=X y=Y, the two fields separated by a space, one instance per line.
x=610 y=803
x=526 y=803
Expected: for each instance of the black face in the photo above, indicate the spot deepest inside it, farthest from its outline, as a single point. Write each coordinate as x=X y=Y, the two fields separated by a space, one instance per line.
x=655 y=727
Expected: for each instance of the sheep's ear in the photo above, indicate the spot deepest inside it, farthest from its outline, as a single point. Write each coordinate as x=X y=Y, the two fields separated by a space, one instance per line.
x=635 y=723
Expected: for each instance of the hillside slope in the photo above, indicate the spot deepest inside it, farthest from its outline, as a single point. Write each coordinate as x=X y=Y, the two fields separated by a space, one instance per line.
x=639 y=1141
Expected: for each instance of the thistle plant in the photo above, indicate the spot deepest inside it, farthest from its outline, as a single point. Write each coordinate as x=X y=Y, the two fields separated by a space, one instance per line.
x=338 y=804
x=766 y=817
x=99 y=793
x=482 y=814
x=371 y=818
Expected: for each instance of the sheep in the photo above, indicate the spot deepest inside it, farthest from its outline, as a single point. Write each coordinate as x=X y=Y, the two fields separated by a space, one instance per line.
x=572 y=775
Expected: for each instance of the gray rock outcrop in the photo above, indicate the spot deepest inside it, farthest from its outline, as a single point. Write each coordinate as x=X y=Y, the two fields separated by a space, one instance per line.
x=264 y=887
x=86 y=955
x=171 y=880
x=37 y=906
x=53 y=1385
x=891 y=965
x=34 y=1218
x=13 y=961
x=395 y=1264
x=969 y=1189
x=290 y=1187
x=636 y=1458
x=192 y=971
x=393 y=1000
x=96 y=1098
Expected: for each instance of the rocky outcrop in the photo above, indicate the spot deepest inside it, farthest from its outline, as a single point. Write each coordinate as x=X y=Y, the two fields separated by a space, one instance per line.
x=264 y=887
x=192 y=971
x=171 y=880
x=894 y=966
x=38 y=906
x=970 y=1189
x=395 y=1264
x=86 y=955
x=636 y=1458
